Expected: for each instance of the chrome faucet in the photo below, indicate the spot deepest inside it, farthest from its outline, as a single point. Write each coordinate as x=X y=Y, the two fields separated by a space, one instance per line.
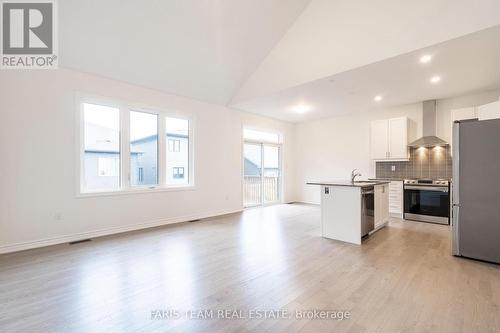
x=354 y=174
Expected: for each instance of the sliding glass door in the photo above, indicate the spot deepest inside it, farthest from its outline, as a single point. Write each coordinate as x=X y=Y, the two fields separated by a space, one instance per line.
x=253 y=174
x=262 y=174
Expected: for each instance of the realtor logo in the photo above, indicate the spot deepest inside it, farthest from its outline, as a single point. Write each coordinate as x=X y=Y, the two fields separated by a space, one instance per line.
x=28 y=35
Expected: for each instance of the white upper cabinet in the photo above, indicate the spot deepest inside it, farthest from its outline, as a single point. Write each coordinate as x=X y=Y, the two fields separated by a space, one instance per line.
x=389 y=139
x=379 y=139
x=398 y=138
x=489 y=111
x=464 y=114
x=481 y=112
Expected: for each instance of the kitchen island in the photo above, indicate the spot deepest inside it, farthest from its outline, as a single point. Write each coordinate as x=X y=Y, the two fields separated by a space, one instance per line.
x=352 y=210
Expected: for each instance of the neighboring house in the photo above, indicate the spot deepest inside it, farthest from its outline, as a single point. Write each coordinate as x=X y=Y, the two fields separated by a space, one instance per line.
x=177 y=159
x=144 y=161
x=102 y=160
x=253 y=170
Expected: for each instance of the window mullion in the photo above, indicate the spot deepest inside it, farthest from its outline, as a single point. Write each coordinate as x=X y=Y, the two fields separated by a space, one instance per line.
x=162 y=151
x=190 y=166
x=125 y=146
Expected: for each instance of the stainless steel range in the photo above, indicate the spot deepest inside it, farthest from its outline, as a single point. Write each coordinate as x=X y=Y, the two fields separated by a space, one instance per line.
x=427 y=200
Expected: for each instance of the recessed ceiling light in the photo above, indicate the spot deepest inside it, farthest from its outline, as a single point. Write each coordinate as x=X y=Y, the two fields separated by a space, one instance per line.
x=377 y=98
x=435 y=79
x=301 y=108
x=425 y=58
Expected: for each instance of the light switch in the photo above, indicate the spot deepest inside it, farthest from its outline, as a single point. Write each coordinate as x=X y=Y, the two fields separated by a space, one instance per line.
x=393 y=168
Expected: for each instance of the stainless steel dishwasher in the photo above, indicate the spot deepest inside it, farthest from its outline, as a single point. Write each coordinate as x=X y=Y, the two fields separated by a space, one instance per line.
x=367 y=210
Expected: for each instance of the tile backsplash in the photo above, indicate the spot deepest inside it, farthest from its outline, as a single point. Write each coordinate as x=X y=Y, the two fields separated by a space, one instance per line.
x=431 y=163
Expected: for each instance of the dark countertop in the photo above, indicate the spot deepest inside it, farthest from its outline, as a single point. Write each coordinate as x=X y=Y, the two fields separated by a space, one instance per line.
x=349 y=183
x=401 y=179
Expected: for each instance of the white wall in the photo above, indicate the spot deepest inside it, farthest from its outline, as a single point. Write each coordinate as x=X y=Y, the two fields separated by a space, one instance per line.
x=37 y=145
x=329 y=149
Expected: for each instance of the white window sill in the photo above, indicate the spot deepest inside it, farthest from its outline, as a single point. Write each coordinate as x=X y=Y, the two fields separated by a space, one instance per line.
x=138 y=190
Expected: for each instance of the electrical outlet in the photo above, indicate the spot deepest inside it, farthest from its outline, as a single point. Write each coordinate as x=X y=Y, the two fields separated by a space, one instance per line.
x=393 y=168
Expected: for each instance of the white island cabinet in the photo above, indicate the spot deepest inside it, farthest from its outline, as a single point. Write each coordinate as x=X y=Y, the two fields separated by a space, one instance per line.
x=381 y=205
x=350 y=211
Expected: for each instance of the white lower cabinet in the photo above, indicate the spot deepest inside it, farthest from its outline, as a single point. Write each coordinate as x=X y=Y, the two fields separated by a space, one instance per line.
x=396 y=199
x=381 y=205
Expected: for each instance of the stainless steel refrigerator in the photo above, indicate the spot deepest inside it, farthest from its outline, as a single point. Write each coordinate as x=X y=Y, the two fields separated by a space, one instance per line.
x=476 y=189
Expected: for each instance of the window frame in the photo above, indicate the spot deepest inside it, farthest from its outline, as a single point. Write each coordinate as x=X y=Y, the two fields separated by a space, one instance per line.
x=124 y=108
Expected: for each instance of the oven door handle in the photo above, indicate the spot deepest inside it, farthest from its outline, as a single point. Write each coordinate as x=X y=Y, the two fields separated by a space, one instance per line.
x=427 y=188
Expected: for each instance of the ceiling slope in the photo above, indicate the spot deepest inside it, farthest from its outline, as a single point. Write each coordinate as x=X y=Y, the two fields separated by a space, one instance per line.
x=199 y=49
x=333 y=36
x=465 y=65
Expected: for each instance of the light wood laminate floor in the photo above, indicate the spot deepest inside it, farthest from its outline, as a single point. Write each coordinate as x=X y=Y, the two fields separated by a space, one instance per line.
x=402 y=279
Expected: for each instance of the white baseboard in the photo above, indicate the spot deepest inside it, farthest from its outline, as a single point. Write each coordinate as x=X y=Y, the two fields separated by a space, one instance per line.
x=109 y=231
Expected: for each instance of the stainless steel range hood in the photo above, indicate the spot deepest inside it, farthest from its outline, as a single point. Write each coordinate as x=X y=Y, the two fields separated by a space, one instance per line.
x=429 y=138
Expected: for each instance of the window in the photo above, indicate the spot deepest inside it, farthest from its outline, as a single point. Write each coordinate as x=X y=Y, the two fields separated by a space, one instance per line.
x=101 y=148
x=177 y=158
x=174 y=145
x=143 y=148
x=178 y=173
x=124 y=148
x=140 y=174
x=262 y=167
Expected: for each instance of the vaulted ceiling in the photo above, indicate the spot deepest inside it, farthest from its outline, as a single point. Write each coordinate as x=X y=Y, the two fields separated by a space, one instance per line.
x=202 y=49
x=464 y=65
x=333 y=36
x=262 y=55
